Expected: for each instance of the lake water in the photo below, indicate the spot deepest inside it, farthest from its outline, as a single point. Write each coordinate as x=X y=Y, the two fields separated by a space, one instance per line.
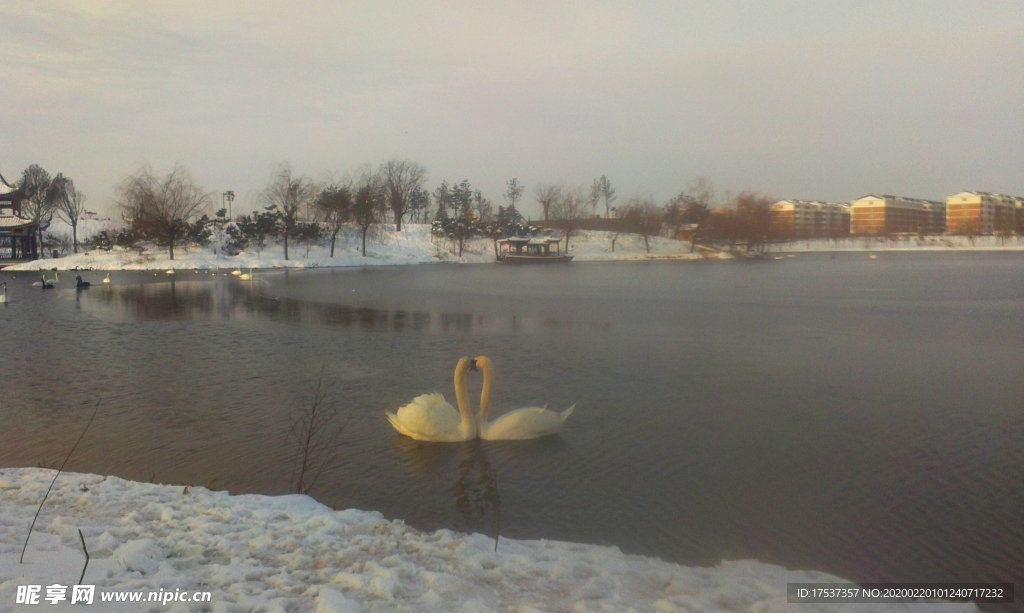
x=861 y=417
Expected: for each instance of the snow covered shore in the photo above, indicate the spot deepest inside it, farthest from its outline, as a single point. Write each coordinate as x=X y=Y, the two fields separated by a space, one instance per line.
x=413 y=245
x=290 y=553
x=906 y=243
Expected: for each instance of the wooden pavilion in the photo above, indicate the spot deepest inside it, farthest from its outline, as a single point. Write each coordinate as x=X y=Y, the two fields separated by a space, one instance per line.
x=17 y=234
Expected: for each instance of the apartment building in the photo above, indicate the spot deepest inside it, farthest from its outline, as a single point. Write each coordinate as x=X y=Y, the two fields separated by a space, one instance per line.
x=983 y=213
x=885 y=214
x=810 y=219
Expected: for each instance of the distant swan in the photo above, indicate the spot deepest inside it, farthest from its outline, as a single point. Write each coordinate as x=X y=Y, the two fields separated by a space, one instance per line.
x=106 y=279
x=169 y=271
x=236 y=272
x=247 y=276
x=517 y=425
x=430 y=418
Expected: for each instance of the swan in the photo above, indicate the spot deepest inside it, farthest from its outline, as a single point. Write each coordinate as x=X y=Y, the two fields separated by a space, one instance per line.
x=247 y=276
x=106 y=279
x=517 y=425
x=430 y=418
x=46 y=284
x=3 y=296
x=169 y=271
x=81 y=284
x=236 y=272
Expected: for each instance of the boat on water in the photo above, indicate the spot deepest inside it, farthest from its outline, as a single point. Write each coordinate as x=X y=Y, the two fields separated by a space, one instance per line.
x=525 y=250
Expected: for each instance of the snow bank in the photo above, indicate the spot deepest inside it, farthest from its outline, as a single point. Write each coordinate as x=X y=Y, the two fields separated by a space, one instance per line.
x=413 y=245
x=290 y=553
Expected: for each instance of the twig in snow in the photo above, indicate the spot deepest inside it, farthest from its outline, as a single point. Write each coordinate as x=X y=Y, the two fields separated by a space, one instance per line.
x=21 y=560
x=81 y=536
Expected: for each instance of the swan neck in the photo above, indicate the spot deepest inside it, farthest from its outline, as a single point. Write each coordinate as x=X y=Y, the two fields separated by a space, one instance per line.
x=461 y=395
x=485 y=393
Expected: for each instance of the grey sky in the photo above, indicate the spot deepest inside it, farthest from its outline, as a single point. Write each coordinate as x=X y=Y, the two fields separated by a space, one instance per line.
x=828 y=99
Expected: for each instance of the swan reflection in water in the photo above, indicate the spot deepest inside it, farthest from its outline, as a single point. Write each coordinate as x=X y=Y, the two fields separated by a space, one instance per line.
x=474 y=491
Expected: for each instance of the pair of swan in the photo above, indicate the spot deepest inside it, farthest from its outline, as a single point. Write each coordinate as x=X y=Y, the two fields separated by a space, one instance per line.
x=47 y=283
x=431 y=418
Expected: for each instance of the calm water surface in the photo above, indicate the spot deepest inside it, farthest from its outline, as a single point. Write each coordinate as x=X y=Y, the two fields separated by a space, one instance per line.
x=862 y=417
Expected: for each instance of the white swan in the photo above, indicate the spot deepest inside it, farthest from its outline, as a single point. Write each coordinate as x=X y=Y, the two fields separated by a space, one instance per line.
x=517 y=425
x=3 y=296
x=247 y=276
x=236 y=272
x=430 y=418
x=106 y=279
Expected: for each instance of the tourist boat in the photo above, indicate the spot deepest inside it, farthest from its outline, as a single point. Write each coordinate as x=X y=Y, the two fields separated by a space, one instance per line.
x=521 y=250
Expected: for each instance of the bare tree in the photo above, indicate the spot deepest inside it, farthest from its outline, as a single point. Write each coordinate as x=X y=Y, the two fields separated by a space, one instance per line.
x=570 y=209
x=514 y=192
x=290 y=194
x=753 y=212
x=369 y=204
x=605 y=192
x=37 y=206
x=161 y=207
x=461 y=202
x=595 y=197
x=442 y=198
x=484 y=208
x=402 y=179
x=69 y=204
x=644 y=217
x=547 y=196
x=334 y=208
x=691 y=207
x=317 y=429
x=419 y=205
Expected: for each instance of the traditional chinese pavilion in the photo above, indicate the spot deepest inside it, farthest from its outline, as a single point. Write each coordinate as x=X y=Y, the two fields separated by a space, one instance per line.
x=17 y=234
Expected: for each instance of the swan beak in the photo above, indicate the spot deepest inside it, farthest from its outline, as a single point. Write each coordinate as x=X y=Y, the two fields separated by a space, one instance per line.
x=472 y=365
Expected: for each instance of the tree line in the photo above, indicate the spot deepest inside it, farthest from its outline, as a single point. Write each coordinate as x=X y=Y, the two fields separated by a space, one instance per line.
x=46 y=196
x=171 y=210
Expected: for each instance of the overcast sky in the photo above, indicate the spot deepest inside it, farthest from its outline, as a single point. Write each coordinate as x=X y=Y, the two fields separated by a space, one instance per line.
x=825 y=99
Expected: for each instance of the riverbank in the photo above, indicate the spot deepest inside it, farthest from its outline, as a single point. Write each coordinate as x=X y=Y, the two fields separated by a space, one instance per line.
x=906 y=243
x=288 y=553
x=386 y=247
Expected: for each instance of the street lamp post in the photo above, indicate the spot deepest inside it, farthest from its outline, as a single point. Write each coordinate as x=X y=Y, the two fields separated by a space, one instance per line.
x=229 y=197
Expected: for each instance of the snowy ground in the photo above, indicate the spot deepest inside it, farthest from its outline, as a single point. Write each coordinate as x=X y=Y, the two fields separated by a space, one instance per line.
x=290 y=553
x=413 y=245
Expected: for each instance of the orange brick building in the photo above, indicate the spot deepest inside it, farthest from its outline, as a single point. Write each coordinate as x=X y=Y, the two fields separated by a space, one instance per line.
x=809 y=219
x=884 y=214
x=983 y=213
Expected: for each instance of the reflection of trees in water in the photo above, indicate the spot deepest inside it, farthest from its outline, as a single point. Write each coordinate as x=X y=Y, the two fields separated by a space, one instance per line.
x=197 y=299
x=155 y=301
x=476 y=490
x=230 y=300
